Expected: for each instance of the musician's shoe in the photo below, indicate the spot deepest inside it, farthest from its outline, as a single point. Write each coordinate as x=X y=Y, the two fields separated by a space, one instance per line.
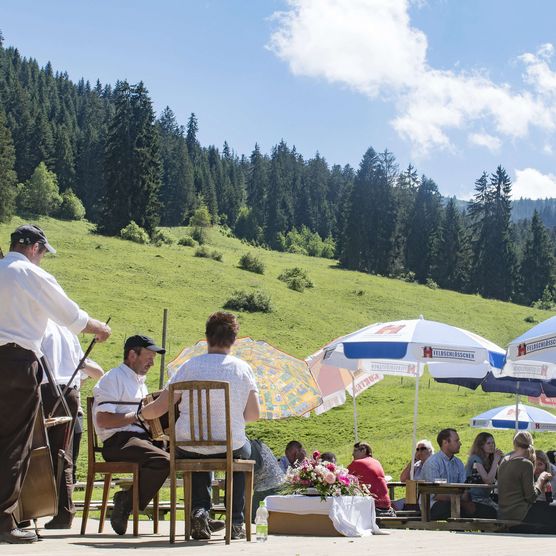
x=238 y=532
x=24 y=524
x=59 y=522
x=17 y=536
x=200 y=529
x=216 y=525
x=120 y=513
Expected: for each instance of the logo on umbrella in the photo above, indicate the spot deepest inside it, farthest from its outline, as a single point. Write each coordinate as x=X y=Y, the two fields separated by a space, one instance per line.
x=521 y=349
x=390 y=329
x=427 y=352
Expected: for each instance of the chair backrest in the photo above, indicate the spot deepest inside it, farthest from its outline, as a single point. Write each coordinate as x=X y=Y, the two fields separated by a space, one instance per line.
x=200 y=408
x=92 y=438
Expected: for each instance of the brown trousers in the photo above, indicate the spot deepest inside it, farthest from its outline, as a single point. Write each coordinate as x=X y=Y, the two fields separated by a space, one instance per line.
x=57 y=441
x=154 y=463
x=19 y=403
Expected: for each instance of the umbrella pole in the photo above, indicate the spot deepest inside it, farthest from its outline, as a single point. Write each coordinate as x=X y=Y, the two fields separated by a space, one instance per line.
x=415 y=407
x=355 y=433
x=517 y=408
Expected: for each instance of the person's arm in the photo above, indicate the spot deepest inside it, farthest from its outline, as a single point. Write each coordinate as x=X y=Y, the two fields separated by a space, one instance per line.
x=157 y=407
x=107 y=420
x=101 y=330
x=406 y=473
x=92 y=369
x=252 y=409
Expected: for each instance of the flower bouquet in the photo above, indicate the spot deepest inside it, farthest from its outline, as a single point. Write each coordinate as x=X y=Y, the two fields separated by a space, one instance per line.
x=323 y=478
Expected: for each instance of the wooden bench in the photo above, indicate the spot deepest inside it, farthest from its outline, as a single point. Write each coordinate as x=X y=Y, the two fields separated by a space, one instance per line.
x=451 y=524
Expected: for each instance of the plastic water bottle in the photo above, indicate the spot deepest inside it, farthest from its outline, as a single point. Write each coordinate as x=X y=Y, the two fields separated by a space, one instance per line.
x=261 y=521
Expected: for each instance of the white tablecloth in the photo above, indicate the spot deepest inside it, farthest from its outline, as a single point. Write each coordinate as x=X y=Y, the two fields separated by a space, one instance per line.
x=352 y=516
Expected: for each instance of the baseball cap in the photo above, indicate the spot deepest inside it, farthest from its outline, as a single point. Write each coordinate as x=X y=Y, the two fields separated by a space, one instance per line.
x=144 y=342
x=28 y=234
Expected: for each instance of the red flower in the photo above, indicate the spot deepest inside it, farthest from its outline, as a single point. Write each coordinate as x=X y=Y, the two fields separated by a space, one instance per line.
x=316 y=455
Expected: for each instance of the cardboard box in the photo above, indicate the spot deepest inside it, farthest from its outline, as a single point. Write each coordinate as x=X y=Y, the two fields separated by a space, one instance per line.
x=313 y=525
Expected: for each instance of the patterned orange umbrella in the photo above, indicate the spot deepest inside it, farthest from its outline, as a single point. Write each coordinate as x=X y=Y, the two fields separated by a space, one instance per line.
x=286 y=386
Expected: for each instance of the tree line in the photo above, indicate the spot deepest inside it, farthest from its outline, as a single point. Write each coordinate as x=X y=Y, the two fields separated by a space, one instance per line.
x=101 y=150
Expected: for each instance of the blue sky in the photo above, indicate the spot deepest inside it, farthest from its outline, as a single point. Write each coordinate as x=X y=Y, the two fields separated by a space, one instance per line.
x=454 y=87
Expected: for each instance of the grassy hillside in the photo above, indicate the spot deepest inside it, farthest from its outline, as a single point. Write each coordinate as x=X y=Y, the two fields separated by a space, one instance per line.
x=133 y=283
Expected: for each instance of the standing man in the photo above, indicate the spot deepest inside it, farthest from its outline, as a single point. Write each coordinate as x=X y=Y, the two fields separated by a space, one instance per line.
x=29 y=296
x=118 y=396
x=63 y=354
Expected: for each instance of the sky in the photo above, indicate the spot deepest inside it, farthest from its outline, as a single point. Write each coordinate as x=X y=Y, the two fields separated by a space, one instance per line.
x=453 y=87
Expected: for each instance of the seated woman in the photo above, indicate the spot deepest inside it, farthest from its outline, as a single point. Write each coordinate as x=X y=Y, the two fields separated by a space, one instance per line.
x=423 y=451
x=518 y=490
x=369 y=472
x=328 y=456
x=542 y=463
x=484 y=459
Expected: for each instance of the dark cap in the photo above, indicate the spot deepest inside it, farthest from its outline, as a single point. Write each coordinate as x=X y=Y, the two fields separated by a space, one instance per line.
x=144 y=342
x=29 y=234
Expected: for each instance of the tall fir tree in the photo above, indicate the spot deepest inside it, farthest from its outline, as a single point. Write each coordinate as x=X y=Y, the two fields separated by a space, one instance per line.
x=8 y=177
x=132 y=163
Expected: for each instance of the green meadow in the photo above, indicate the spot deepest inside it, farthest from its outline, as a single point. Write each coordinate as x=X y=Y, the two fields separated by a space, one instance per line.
x=133 y=283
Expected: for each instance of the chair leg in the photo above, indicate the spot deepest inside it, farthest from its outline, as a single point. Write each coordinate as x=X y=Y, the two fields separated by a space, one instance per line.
x=248 y=503
x=105 y=493
x=187 y=503
x=88 y=496
x=155 y=514
x=172 y=507
x=229 y=498
x=136 y=503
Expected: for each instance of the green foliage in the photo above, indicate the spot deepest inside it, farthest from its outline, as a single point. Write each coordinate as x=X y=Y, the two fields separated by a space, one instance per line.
x=8 y=177
x=252 y=263
x=252 y=302
x=247 y=227
x=162 y=237
x=71 y=208
x=547 y=302
x=40 y=195
x=134 y=232
x=201 y=217
x=200 y=235
x=205 y=253
x=430 y=283
x=296 y=279
x=306 y=242
x=187 y=241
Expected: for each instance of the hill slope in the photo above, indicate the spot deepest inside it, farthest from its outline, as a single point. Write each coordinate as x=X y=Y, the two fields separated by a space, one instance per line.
x=133 y=283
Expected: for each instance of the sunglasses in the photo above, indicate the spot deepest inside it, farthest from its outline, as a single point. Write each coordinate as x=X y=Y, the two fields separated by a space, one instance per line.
x=420 y=448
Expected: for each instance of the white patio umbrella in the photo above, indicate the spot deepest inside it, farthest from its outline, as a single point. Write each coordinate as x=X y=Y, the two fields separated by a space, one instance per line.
x=407 y=347
x=524 y=417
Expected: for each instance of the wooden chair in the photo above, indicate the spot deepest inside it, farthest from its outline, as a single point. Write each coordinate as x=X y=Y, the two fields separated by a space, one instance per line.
x=108 y=468
x=199 y=395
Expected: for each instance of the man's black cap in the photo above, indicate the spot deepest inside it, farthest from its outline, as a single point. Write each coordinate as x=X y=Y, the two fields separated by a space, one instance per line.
x=144 y=342
x=28 y=234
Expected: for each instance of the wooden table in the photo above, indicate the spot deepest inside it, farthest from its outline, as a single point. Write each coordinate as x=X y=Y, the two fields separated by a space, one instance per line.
x=453 y=490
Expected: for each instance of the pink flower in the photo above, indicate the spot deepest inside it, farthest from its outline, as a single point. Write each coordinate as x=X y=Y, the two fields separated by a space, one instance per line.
x=316 y=455
x=330 y=478
x=330 y=466
x=344 y=480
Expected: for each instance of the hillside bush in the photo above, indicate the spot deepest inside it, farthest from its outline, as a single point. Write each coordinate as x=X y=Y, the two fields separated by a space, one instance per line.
x=40 y=195
x=162 y=237
x=201 y=218
x=296 y=279
x=187 y=241
x=200 y=235
x=547 y=301
x=205 y=253
x=306 y=242
x=251 y=302
x=71 y=208
x=252 y=263
x=430 y=283
x=134 y=232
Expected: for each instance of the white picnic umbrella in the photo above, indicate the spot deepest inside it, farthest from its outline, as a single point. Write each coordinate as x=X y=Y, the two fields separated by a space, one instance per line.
x=407 y=347
x=524 y=417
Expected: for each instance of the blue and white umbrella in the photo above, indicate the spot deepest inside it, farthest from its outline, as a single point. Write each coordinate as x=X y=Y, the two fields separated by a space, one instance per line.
x=406 y=347
x=521 y=417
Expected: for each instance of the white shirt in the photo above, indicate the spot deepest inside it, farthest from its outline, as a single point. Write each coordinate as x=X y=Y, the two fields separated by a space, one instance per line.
x=225 y=368
x=29 y=296
x=62 y=352
x=120 y=384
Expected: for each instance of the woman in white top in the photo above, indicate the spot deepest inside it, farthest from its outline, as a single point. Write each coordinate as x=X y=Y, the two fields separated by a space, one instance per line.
x=217 y=364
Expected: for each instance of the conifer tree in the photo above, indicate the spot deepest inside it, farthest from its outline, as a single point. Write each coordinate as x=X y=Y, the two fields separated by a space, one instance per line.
x=536 y=271
x=132 y=163
x=257 y=186
x=8 y=178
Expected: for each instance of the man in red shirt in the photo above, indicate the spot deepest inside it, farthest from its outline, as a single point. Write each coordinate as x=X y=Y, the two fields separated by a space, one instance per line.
x=369 y=471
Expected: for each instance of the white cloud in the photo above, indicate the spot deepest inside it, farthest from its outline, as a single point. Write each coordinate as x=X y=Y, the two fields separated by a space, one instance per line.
x=532 y=184
x=491 y=142
x=371 y=47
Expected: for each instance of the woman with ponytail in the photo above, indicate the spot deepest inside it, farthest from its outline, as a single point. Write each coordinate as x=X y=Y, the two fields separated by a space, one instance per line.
x=518 y=490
